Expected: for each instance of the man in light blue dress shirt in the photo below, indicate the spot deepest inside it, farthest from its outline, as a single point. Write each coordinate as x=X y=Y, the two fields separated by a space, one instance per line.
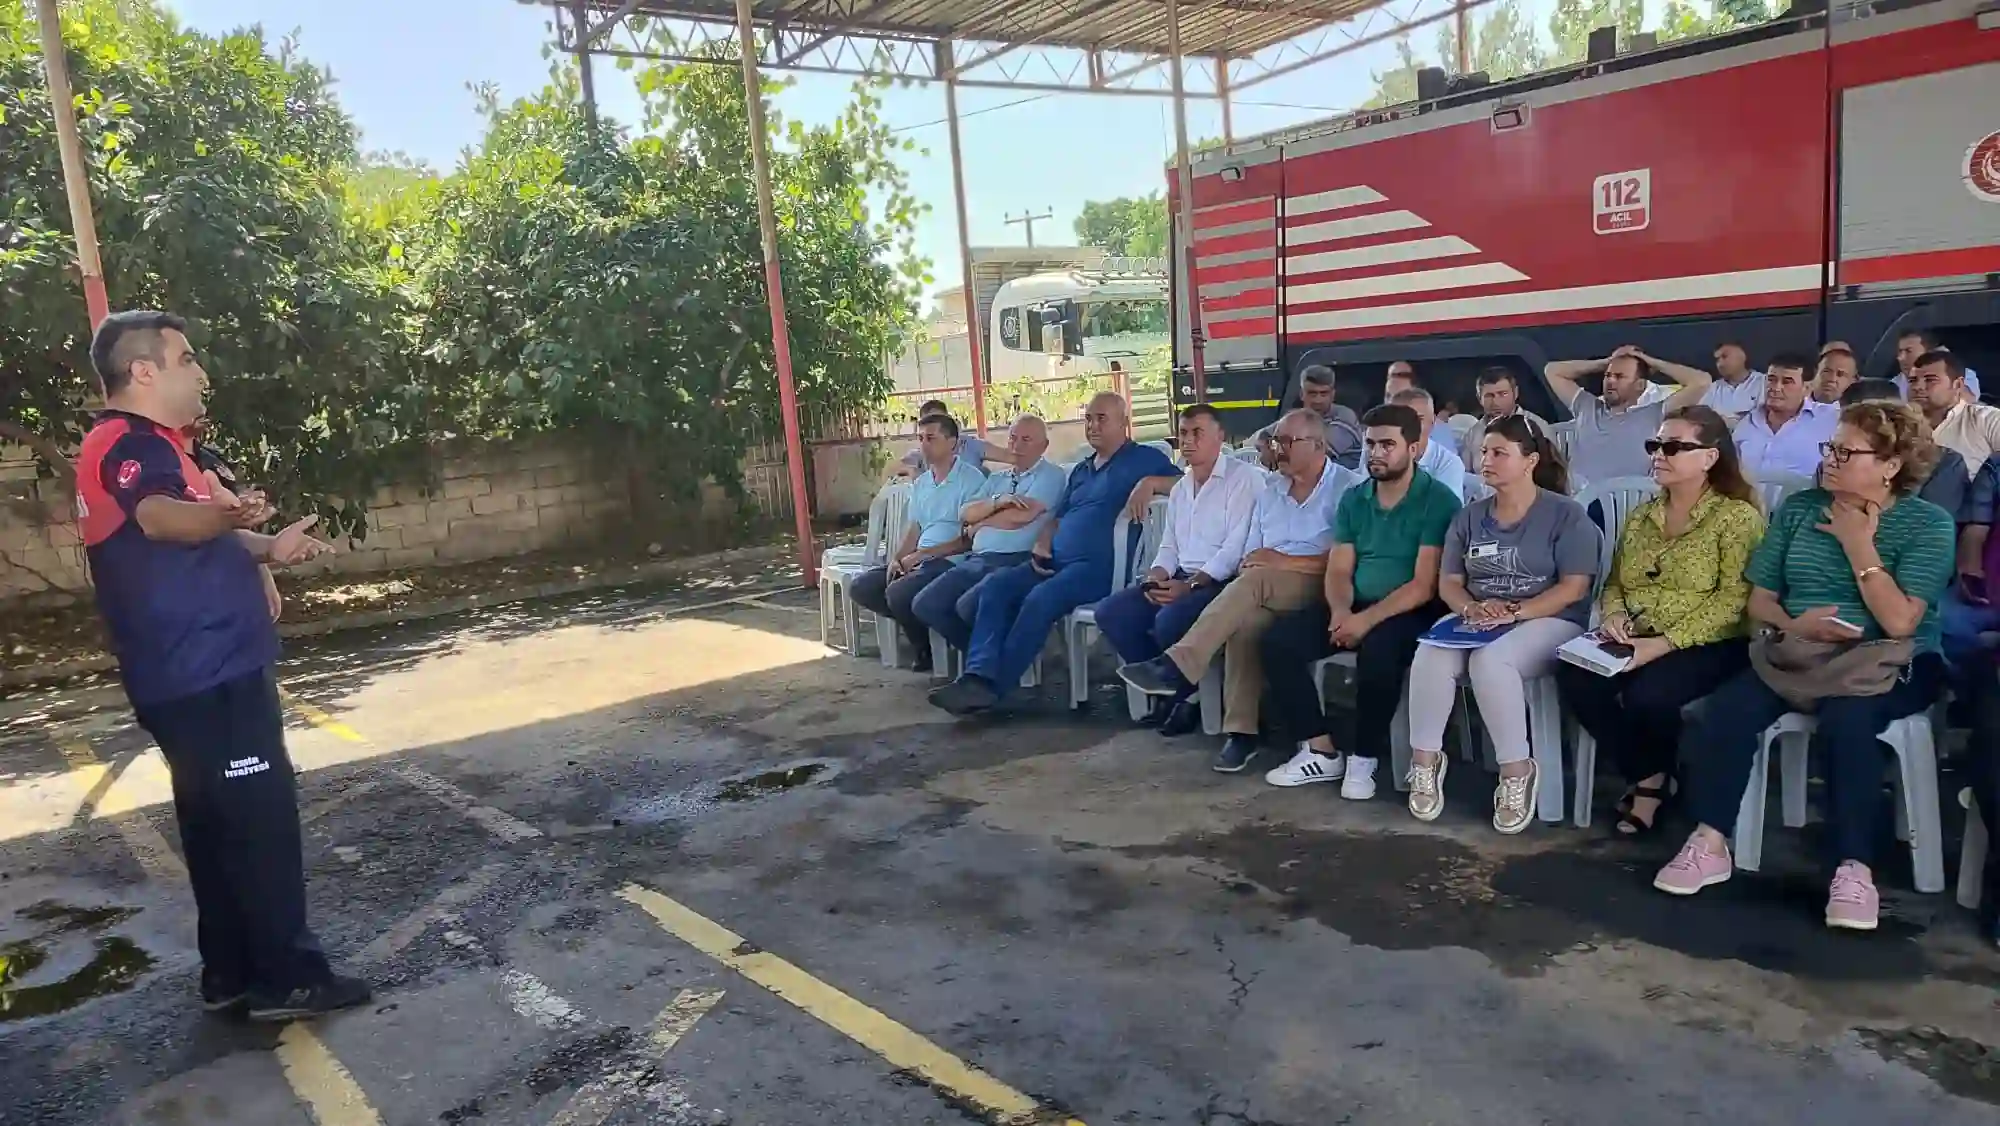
x=926 y=547
x=1003 y=522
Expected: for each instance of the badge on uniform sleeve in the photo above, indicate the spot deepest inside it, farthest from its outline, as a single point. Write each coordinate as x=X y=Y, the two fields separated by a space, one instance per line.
x=128 y=474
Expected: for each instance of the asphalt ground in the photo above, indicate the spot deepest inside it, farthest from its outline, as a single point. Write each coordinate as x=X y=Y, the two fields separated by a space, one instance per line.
x=656 y=856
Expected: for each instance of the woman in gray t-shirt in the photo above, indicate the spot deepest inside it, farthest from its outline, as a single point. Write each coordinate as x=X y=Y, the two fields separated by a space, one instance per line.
x=1521 y=563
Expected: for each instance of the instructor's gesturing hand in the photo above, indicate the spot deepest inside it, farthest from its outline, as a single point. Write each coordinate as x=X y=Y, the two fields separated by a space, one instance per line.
x=293 y=546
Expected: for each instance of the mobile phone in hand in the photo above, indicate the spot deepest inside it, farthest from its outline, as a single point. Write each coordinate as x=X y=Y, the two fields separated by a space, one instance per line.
x=1850 y=627
x=1042 y=564
x=1616 y=648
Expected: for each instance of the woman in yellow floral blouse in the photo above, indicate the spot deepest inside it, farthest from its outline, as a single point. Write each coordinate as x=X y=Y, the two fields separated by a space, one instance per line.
x=1676 y=594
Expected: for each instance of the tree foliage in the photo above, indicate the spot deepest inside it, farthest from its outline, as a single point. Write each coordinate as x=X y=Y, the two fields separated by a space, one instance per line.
x=1507 y=44
x=354 y=311
x=1128 y=225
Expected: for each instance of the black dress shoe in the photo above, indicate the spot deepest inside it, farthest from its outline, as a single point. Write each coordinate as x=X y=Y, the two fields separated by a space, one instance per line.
x=1158 y=708
x=1238 y=752
x=965 y=696
x=1183 y=719
x=1157 y=677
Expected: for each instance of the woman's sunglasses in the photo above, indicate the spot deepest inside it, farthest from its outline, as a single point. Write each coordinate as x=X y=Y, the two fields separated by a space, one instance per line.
x=1672 y=447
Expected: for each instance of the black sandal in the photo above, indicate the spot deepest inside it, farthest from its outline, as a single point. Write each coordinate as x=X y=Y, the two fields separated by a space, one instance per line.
x=1629 y=824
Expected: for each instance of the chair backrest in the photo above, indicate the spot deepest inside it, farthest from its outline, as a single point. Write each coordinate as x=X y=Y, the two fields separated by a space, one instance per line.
x=1774 y=489
x=895 y=515
x=1164 y=447
x=1130 y=560
x=1476 y=488
x=1563 y=434
x=1615 y=498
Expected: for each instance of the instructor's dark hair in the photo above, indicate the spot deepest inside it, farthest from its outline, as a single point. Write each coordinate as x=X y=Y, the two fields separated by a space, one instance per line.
x=1397 y=415
x=1551 y=469
x=947 y=425
x=124 y=337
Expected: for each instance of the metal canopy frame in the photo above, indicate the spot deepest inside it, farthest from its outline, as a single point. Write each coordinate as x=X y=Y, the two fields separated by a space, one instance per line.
x=1206 y=49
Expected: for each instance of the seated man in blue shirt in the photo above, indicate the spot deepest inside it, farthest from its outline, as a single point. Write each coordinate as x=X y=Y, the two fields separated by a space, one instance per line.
x=1004 y=523
x=971 y=447
x=1070 y=565
x=933 y=538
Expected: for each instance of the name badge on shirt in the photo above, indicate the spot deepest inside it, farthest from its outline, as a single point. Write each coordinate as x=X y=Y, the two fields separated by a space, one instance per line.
x=1483 y=551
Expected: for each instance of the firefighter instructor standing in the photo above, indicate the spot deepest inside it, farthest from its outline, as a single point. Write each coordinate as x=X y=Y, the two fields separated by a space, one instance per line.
x=175 y=558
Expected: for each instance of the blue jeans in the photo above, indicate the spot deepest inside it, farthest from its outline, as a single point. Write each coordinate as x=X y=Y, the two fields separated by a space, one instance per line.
x=947 y=604
x=1016 y=610
x=1141 y=631
x=1961 y=623
x=1718 y=765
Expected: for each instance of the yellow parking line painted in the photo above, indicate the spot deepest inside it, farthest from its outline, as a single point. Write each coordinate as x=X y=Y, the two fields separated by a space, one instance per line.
x=901 y=1047
x=327 y=1089
x=320 y=719
x=148 y=847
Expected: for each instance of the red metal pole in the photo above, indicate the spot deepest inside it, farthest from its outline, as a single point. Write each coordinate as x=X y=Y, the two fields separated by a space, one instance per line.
x=76 y=179
x=1184 y=179
x=774 y=288
x=973 y=327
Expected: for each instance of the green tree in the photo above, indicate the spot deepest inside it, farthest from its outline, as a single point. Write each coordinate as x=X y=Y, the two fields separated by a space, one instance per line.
x=217 y=168
x=1128 y=225
x=1504 y=44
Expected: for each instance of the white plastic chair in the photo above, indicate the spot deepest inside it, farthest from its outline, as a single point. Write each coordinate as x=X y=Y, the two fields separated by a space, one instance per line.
x=1971 y=854
x=1079 y=626
x=1616 y=499
x=839 y=566
x=1774 y=490
x=1563 y=434
x=895 y=517
x=1917 y=817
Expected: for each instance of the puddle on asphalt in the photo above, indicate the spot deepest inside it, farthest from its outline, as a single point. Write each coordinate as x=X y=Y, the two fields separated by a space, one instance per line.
x=28 y=987
x=708 y=796
x=1963 y=1067
x=1415 y=892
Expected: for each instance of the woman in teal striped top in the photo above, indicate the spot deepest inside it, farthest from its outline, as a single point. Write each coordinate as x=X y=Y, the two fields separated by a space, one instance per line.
x=1863 y=550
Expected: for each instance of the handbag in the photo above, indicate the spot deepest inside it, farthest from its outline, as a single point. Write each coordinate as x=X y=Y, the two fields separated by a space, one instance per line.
x=1803 y=671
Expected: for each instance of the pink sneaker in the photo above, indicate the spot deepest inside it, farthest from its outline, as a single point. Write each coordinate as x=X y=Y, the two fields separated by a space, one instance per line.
x=1692 y=869
x=1852 y=903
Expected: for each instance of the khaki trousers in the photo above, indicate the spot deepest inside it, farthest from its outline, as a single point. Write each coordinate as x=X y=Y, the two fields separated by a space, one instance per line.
x=1232 y=625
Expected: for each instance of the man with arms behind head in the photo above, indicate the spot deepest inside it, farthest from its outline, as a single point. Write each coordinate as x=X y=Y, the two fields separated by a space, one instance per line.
x=1003 y=522
x=1499 y=397
x=1380 y=596
x=175 y=567
x=1291 y=527
x=1613 y=425
x=1069 y=566
x=1208 y=518
x=1783 y=434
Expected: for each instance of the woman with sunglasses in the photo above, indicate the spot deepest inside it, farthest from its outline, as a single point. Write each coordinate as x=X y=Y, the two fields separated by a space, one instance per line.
x=1519 y=563
x=1859 y=559
x=1675 y=596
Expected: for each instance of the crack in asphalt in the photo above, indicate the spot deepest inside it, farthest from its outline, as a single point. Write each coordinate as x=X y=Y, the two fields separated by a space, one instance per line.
x=1240 y=984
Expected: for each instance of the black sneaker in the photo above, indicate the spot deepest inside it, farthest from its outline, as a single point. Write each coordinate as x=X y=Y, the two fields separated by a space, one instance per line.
x=1184 y=719
x=223 y=997
x=329 y=996
x=1238 y=752
x=968 y=695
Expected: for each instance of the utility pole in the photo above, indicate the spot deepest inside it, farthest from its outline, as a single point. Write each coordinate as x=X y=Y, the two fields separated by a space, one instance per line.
x=76 y=179
x=1028 y=220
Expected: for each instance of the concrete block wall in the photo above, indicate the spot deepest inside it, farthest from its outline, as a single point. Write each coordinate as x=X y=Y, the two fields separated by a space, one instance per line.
x=487 y=502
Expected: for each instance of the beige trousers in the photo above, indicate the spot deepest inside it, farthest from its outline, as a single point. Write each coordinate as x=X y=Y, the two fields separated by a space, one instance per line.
x=1232 y=625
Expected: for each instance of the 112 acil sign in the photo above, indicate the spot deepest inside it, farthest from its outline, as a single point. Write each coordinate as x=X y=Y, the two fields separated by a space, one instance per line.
x=1622 y=202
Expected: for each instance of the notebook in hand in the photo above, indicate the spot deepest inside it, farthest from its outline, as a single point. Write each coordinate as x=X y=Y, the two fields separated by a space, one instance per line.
x=1593 y=652
x=1452 y=633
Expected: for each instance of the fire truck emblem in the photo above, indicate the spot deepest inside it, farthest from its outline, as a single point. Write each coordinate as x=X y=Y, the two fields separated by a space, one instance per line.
x=1982 y=168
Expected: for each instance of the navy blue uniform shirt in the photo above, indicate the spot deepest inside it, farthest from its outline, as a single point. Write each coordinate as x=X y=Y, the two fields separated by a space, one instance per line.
x=183 y=618
x=1090 y=506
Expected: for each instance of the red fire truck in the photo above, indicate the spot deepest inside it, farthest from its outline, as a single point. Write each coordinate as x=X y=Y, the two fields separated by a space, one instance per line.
x=1807 y=180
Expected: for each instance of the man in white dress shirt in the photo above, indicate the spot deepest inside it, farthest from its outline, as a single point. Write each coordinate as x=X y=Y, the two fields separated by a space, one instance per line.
x=1435 y=458
x=1737 y=389
x=1208 y=518
x=1783 y=436
x=1284 y=565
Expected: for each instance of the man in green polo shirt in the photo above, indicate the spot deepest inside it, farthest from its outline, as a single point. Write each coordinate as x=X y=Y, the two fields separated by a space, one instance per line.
x=1381 y=595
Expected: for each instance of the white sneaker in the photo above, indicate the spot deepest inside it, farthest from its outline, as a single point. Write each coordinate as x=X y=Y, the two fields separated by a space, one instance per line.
x=1359 y=785
x=1307 y=767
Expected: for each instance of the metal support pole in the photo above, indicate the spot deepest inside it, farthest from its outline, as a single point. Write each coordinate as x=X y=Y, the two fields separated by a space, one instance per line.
x=1222 y=92
x=580 y=18
x=973 y=327
x=76 y=180
x=1464 y=38
x=774 y=290
x=1184 y=179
